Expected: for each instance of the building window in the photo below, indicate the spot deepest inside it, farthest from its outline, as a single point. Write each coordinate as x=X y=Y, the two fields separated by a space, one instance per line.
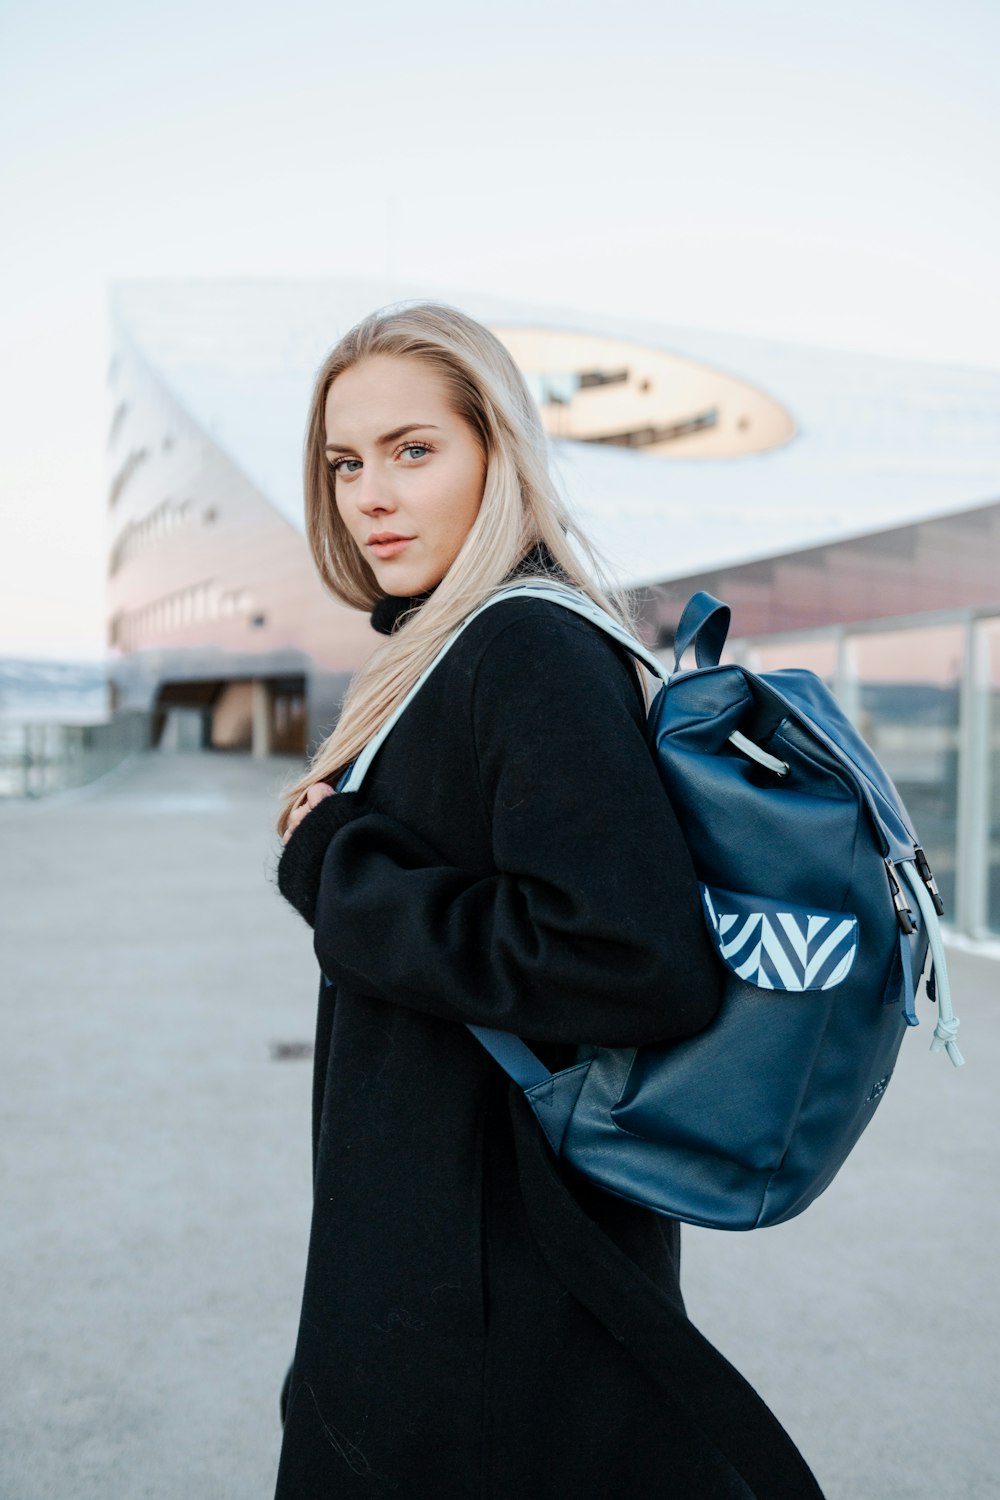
x=120 y=413
x=134 y=460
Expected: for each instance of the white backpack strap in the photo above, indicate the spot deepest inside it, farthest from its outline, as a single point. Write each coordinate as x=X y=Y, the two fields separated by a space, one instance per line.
x=559 y=594
x=946 y=1030
x=580 y=604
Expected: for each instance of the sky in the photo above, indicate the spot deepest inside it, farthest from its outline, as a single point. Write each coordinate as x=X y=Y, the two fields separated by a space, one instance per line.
x=821 y=174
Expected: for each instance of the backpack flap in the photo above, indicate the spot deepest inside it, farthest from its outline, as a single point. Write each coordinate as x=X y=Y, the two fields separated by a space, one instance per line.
x=809 y=712
x=777 y=946
x=787 y=835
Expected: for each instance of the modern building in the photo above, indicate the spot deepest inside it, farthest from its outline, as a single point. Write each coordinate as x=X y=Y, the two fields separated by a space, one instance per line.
x=847 y=507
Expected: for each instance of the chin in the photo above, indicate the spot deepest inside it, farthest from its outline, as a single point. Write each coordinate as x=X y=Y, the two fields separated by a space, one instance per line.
x=405 y=582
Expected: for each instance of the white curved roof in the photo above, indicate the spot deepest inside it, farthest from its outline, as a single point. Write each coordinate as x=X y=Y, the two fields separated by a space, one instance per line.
x=880 y=442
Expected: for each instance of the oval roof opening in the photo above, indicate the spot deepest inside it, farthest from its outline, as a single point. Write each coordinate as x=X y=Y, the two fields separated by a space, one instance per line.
x=595 y=389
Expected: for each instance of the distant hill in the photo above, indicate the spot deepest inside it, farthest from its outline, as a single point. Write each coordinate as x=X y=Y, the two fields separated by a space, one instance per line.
x=53 y=691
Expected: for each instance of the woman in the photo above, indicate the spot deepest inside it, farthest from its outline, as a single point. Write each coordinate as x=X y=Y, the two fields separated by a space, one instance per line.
x=479 y=1322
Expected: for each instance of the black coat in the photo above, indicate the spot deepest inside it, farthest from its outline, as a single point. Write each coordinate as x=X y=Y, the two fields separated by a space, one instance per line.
x=478 y=1322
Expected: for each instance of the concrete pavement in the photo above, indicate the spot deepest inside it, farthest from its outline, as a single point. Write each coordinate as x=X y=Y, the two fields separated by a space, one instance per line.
x=156 y=1179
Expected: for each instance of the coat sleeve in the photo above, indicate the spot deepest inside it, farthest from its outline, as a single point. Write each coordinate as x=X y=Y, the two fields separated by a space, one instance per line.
x=590 y=929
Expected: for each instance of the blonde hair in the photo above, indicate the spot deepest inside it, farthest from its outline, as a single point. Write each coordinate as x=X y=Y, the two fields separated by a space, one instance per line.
x=520 y=508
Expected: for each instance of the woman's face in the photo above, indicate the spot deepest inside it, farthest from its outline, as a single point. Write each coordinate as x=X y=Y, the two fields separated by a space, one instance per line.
x=424 y=483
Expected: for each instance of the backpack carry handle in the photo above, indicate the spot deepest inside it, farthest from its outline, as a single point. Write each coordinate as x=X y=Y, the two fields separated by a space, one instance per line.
x=703 y=624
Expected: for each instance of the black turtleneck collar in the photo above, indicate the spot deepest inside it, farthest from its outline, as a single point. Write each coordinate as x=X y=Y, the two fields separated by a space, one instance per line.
x=385 y=616
x=389 y=608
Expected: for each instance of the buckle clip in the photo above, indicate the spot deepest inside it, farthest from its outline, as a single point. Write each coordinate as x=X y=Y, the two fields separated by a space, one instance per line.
x=927 y=876
x=904 y=912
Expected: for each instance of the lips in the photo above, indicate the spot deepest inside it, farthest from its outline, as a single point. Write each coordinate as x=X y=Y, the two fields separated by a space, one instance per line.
x=387 y=536
x=391 y=546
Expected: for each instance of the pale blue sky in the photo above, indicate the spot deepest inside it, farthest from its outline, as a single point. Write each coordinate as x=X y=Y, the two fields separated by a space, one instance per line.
x=822 y=174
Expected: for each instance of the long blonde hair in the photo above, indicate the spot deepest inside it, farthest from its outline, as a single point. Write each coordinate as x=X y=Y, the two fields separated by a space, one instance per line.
x=520 y=508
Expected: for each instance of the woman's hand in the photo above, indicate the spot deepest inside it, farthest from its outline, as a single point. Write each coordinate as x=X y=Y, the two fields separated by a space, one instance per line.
x=314 y=794
x=300 y=863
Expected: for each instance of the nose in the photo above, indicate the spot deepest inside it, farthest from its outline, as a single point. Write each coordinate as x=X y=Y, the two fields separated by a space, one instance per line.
x=372 y=495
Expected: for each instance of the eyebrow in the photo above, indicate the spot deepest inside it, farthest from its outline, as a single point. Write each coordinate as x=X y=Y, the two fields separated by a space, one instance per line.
x=387 y=437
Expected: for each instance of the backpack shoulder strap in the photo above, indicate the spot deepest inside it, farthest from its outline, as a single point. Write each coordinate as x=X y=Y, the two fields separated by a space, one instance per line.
x=580 y=604
x=563 y=594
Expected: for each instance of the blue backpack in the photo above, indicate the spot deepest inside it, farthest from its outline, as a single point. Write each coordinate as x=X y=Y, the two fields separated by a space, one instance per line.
x=822 y=908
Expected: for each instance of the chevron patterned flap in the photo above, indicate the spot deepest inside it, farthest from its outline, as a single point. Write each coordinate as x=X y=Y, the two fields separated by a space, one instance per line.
x=777 y=946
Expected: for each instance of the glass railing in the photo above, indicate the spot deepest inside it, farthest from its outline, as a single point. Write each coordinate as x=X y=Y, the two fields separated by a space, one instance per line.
x=926 y=697
x=38 y=758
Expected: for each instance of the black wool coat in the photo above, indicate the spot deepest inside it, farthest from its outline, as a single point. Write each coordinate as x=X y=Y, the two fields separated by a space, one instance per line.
x=478 y=1321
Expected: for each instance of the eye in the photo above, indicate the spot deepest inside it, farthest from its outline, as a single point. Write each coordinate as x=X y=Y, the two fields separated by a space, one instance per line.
x=334 y=465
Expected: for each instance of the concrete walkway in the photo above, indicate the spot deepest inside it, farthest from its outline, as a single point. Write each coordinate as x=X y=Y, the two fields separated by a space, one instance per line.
x=156 y=1175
